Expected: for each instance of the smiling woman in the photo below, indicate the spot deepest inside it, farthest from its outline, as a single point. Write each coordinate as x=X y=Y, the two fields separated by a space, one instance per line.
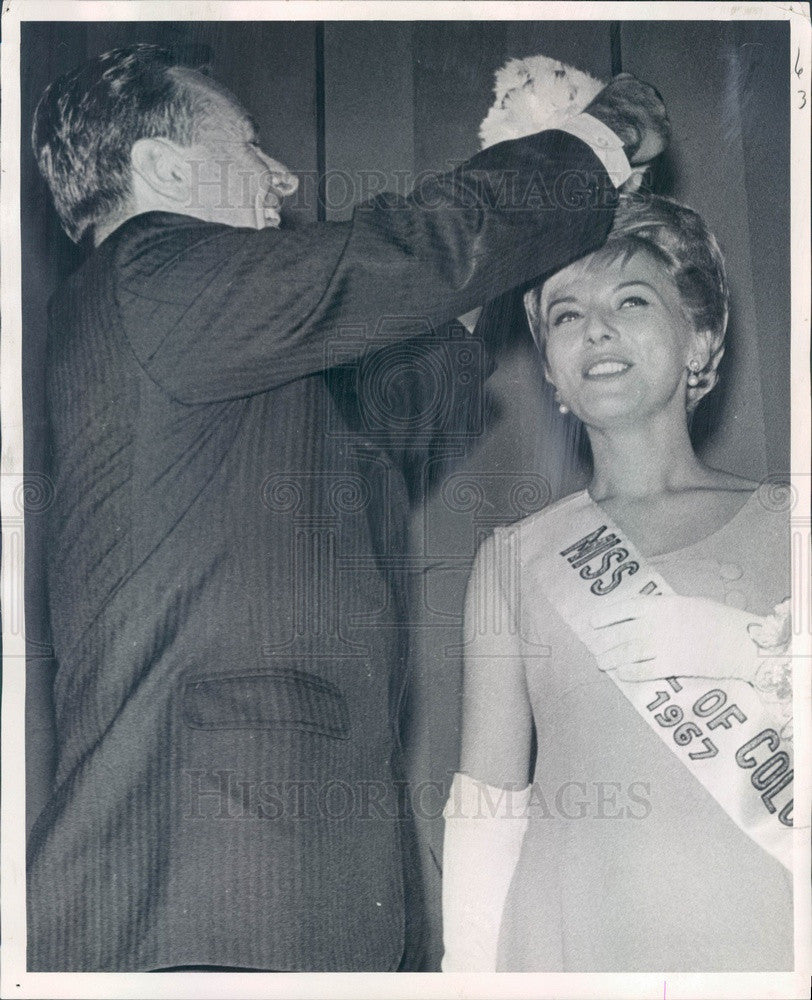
x=617 y=689
x=661 y=261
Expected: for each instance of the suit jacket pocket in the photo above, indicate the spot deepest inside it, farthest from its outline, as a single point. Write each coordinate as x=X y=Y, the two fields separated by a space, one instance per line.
x=283 y=698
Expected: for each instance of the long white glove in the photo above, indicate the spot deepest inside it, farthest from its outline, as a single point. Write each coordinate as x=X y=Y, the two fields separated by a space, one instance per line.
x=647 y=638
x=484 y=829
x=674 y=636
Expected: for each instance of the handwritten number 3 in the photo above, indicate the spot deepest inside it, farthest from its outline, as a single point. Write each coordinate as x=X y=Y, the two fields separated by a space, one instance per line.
x=798 y=69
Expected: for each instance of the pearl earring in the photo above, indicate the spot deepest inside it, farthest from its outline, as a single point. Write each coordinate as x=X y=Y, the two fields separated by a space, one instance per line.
x=693 y=378
x=562 y=408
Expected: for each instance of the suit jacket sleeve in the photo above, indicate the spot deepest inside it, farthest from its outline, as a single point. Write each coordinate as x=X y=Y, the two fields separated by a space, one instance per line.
x=214 y=312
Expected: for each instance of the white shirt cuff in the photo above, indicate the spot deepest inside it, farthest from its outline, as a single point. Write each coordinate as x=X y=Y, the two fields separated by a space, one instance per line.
x=604 y=143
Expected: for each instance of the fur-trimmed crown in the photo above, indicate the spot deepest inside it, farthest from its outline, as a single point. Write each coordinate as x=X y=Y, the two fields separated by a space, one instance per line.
x=534 y=94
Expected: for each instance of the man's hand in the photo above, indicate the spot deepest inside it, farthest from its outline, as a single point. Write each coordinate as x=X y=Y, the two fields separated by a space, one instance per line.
x=635 y=112
x=647 y=638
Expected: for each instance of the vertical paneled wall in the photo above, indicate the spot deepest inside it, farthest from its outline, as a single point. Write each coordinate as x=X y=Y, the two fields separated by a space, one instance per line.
x=760 y=65
x=726 y=88
x=368 y=112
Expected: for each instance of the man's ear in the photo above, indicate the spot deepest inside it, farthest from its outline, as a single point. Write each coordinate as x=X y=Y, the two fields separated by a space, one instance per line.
x=159 y=165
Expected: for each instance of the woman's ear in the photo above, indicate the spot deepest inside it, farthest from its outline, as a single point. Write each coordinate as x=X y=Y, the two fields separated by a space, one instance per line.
x=159 y=167
x=699 y=348
x=706 y=351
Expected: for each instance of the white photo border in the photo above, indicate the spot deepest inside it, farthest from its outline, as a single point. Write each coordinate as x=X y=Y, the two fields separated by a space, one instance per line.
x=15 y=981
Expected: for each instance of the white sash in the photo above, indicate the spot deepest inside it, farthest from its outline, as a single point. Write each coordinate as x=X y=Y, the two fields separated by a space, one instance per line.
x=721 y=730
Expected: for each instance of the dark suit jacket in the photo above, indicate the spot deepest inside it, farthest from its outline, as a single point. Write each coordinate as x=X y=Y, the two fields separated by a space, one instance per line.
x=225 y=562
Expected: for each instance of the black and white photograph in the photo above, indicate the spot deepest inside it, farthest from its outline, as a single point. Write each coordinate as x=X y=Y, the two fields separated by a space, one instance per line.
x=406 y=499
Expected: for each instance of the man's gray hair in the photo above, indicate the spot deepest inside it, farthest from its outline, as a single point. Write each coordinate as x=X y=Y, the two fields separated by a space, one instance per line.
x=88 y=119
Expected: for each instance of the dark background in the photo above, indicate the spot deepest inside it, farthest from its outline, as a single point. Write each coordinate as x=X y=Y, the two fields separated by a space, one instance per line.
x=372 y=104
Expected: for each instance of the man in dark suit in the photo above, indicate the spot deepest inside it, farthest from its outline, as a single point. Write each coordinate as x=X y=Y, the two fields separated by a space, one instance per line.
x=224 y=587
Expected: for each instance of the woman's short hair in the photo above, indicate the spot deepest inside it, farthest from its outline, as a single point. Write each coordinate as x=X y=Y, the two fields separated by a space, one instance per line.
x=677 y=237
x=87 y=121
